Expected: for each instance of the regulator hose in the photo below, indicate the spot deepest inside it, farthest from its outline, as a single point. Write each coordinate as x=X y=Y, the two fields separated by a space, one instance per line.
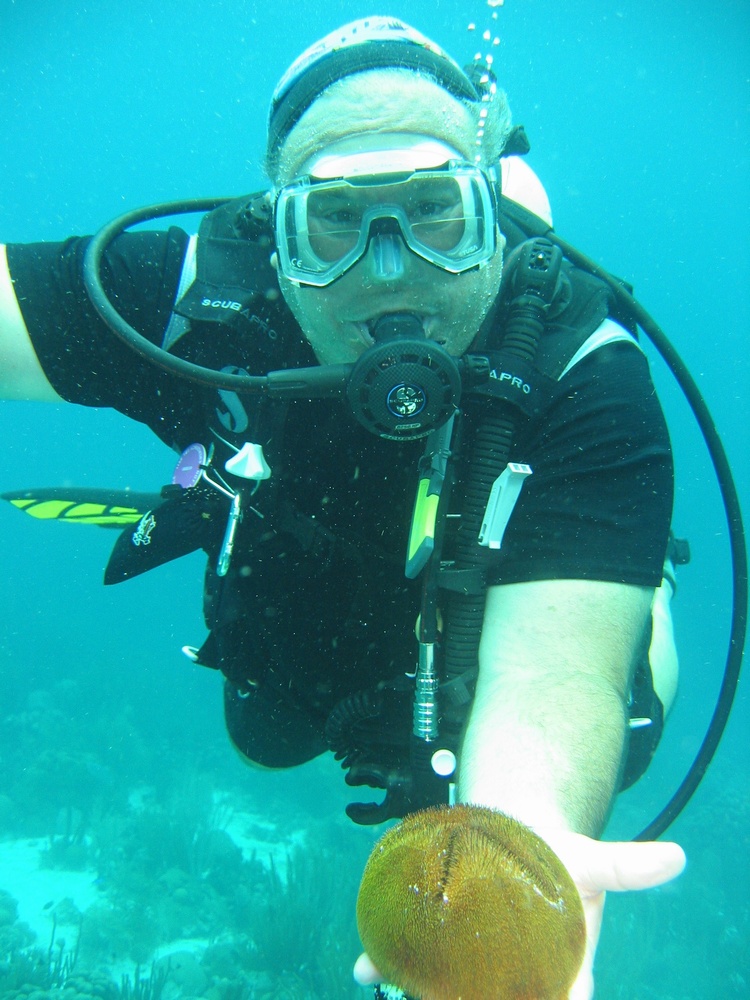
x=490 y=451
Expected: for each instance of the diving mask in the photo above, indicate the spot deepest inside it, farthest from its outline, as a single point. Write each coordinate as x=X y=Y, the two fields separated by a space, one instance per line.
x=445 y=215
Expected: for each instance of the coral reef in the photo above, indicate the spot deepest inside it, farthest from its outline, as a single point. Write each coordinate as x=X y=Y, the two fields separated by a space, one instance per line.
x=87 y=986
x=14 y=936
x=303 y=926
x=115 y=794
x=27 y=969
x=170 y=872
x=60 y=764
x=167 y=870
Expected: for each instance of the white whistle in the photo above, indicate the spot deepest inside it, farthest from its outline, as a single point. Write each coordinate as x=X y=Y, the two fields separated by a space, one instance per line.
x=249 y=463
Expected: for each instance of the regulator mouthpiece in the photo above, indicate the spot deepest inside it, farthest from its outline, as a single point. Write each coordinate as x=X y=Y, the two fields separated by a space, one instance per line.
x=397 y=326
x=405 y=385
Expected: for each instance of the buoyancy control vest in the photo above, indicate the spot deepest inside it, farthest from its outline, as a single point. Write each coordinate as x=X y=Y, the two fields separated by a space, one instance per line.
x=228 y=286
x=515 y=220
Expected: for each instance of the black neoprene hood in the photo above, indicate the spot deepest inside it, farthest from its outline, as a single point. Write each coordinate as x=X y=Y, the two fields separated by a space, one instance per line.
x=290 y=102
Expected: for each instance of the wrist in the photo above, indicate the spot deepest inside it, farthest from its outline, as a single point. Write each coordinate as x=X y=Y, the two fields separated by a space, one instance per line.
x=538 y=815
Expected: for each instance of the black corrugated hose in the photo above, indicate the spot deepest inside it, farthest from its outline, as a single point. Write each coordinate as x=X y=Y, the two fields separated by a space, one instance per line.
x=489 y=455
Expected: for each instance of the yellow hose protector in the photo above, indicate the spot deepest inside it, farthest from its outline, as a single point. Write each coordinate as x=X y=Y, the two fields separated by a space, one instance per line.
x=422 y=534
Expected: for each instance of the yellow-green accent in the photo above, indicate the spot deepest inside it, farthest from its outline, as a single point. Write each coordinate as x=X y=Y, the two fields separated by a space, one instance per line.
x=48 y=510
x=422 y=535
x=78 y=513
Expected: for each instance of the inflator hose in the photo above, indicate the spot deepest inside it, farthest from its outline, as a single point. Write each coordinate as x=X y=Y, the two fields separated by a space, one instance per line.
x=490 y=452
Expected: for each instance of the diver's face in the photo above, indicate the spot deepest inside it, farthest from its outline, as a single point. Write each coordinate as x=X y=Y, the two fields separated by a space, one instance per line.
x=337 y=320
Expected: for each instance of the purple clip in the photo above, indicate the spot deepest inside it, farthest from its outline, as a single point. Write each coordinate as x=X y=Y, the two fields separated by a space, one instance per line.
x=189 y=468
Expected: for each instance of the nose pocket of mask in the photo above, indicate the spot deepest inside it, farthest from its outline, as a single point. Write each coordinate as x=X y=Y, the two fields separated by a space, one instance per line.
x=386 y=256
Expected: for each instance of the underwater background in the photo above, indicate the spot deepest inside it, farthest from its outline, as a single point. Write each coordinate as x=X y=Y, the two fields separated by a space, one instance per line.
x=120 y=794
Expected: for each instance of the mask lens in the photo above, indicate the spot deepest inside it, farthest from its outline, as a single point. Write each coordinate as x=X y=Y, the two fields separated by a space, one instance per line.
x=445 y=216
x=334 y=222
x=435 y=212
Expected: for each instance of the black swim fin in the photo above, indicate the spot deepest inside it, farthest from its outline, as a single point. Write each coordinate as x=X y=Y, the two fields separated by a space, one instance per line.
x=187 y=520
x=158 y=528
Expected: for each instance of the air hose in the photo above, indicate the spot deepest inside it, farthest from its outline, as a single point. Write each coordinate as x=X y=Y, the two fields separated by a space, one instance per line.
x=736 y=534
x=535 y=282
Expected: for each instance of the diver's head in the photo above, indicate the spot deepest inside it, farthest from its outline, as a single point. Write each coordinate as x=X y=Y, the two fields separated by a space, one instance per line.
x=385 y=200
x=416 y=71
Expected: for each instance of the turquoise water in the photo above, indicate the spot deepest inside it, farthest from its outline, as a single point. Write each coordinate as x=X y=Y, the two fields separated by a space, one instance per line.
x=639 y=126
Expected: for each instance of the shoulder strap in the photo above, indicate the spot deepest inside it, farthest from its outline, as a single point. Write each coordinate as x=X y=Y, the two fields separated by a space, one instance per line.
x=578 y=322
x=585 y=305
x=609 y=332
x=227 y=278
x=178 y=324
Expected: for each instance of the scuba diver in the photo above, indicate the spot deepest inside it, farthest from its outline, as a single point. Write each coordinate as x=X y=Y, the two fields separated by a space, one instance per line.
x=397 y=407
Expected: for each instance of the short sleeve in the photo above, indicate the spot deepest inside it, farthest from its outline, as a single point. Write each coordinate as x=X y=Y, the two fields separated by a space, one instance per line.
x=80 y=356
x=598 y=503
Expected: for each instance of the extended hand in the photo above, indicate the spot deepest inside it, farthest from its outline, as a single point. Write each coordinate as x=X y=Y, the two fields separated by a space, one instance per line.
x=596 y=867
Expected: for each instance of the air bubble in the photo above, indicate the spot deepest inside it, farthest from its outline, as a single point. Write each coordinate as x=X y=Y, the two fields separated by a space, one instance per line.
x=484 y=63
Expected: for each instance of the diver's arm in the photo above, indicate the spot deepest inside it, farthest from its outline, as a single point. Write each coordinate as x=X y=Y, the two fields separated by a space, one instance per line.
x=546 y=735
x=547 y=732
x=21 y=375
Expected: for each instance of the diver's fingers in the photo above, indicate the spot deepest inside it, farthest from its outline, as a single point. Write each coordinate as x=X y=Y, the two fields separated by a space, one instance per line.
x=583 y=987
x=619 y=866
x=593 y=909
x=624 y=866
x=365 y=972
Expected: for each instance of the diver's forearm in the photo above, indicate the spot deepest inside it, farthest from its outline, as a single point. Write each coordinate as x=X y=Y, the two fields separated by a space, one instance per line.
x=547 y=730
x=548 y=753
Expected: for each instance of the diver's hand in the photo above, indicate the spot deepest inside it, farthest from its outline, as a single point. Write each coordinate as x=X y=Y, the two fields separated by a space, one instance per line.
x=598 y=866
x=365 y=972
x=595 y=866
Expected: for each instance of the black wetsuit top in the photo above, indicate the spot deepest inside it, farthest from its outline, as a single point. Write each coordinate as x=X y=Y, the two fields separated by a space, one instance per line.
x=317 y=596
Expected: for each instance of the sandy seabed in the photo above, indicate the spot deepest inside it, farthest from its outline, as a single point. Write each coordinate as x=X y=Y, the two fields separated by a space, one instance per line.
x=39 y=890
